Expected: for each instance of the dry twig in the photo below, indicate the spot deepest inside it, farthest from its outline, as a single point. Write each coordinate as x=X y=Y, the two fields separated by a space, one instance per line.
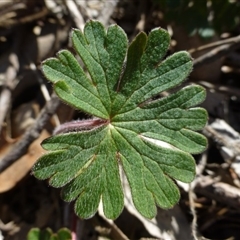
x=231 y=40
x=30 y=135
x=107 y=12
x=217 y=53
x=219 y=191
x=75 y=14
x=8 y=86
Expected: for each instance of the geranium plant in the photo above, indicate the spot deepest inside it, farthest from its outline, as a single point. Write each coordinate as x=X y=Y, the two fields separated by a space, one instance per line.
x=151 y=137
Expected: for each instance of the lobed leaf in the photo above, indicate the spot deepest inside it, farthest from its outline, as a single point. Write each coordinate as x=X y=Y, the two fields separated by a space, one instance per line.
x=126 y=95
x=47 y=234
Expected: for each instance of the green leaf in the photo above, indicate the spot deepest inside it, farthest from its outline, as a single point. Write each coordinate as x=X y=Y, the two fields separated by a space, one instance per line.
x=47 y=234
x=128 y=115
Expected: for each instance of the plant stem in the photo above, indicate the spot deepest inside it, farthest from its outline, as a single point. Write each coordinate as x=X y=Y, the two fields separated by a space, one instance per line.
x=79 y=125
